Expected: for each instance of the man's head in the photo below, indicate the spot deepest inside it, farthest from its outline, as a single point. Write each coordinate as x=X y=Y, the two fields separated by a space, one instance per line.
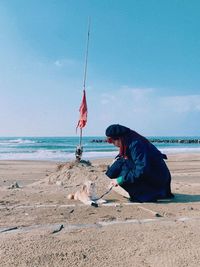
x=114 y=133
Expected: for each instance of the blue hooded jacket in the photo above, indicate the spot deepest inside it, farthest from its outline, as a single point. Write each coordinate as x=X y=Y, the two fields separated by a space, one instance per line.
x=144 y=173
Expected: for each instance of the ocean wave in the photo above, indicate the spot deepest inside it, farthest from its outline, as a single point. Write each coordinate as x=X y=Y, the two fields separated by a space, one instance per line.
x=54 y=155
x=63 y=148
x=17 y=141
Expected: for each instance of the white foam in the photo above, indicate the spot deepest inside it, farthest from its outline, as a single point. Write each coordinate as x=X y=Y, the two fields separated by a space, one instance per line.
x=63 y=156
x=172 y=150
x=54 y=155
x=17 y=141
x=9 y=150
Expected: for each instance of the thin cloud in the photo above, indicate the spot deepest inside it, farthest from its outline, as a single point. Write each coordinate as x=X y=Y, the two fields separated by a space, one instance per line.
x=66 y=63
x=132 y=99
x=182 y=104
x=107 y=99
x=147 y=111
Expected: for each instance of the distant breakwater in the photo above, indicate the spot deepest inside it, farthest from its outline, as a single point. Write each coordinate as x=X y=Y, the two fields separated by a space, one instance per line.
x=181 y=141
x=159 y=140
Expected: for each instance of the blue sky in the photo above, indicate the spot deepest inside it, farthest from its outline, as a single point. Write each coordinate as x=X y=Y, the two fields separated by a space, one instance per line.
x=143 y=66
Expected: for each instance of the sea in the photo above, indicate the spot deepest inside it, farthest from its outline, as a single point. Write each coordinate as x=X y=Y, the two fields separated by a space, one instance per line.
x=63 y=148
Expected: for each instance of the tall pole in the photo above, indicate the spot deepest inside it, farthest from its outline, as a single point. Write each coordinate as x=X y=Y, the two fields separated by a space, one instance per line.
x=80 y=137
x=79 y=149
x=85 y=72
x=86 y=54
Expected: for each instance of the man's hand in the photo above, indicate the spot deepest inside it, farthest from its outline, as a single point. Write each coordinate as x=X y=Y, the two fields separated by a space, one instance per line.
x=113 y=183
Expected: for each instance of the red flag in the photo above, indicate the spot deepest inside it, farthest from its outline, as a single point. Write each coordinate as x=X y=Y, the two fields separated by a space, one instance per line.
x=83 y=112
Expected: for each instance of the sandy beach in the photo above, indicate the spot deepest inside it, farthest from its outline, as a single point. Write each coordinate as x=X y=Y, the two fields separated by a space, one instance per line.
x=39 y=226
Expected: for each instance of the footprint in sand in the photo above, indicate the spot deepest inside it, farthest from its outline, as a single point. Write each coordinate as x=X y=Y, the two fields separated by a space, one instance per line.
x=108 y=218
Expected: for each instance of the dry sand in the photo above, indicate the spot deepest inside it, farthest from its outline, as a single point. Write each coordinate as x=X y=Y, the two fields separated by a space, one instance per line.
x=116 y=234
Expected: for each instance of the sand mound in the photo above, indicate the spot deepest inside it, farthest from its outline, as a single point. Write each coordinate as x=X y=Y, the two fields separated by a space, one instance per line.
x=73 y=174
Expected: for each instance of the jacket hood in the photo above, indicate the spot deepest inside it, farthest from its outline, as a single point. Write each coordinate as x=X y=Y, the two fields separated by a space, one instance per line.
x=117 y=130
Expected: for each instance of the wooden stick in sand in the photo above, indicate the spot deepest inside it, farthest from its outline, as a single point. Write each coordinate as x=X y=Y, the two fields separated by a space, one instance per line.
x=58 y=229
x=155 y=213
x=9 y=229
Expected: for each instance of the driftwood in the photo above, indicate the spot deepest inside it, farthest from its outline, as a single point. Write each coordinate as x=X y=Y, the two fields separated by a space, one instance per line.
x=155 y=213
x=9 y=229
x=58 y=229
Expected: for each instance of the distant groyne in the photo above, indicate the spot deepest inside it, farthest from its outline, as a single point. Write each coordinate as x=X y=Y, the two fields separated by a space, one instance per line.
x=181 y=141
x=159 y=140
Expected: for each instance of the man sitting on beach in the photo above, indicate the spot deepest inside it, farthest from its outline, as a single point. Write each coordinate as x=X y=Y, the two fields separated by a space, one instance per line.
x=139 y=168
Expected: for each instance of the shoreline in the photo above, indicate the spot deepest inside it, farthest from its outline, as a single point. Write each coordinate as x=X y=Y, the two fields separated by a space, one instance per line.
x=89 y=155
x=62 y=149
x=96 y=158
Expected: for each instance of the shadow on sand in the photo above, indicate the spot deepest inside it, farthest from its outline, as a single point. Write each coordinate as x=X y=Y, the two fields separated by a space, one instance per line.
x=182 y=198
x=178 y=198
